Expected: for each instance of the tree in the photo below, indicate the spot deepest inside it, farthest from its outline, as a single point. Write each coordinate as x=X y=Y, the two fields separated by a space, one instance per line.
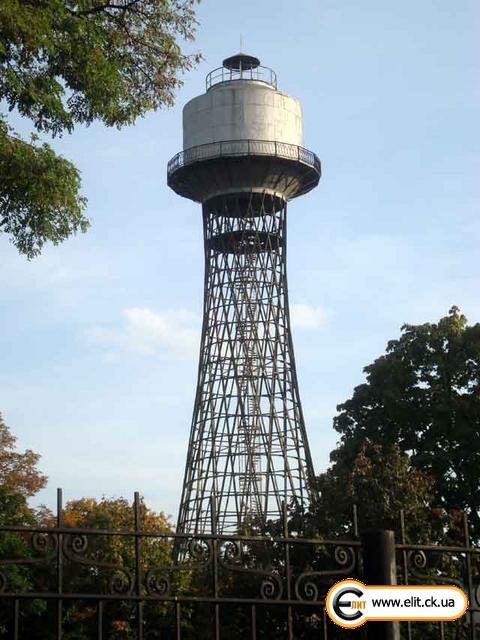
x=68 y=62
x=18 y=471
x=15 y=511
x=423 y=396
x=19 y=479
x=381 y=483
x=107 y=564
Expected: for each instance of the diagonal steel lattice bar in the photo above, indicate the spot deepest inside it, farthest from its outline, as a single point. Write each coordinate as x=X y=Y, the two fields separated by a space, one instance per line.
x=248 y=445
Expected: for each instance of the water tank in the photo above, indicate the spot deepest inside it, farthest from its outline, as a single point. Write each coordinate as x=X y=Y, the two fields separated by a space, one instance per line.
x=242 y=103
x=243 y=136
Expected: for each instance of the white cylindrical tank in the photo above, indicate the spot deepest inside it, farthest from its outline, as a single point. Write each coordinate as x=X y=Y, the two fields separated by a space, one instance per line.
x=242 y=109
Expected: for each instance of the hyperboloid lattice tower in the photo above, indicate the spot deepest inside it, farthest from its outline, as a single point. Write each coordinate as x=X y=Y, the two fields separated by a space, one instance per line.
x=244 y=159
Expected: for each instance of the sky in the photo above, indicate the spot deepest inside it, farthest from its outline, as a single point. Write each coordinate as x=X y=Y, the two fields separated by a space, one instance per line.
x=100 y=335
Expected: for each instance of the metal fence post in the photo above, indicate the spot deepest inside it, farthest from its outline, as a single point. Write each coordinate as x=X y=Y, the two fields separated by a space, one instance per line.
x=138 y=565
x=213 y=515
x=379 y=567
x=59 y=620
x=288 y=571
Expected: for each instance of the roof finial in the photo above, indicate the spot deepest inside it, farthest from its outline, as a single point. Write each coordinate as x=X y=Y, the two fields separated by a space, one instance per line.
x=241 y=43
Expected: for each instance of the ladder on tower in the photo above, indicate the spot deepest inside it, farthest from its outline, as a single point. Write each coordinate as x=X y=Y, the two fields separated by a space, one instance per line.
x=250 y=479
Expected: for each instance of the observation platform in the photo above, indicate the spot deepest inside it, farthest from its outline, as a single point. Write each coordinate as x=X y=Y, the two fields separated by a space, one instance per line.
x=234 y=166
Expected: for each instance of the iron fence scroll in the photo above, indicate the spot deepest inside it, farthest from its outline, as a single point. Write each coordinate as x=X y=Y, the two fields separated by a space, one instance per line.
x=175 y=585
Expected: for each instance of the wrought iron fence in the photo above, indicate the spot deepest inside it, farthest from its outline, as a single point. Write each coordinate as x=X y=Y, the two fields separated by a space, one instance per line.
x=70 y=583
x=456 y=564
x=231 y=148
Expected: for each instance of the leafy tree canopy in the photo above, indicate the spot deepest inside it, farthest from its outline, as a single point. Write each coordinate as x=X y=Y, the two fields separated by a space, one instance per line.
x=423 y=396
x=381 y=483
x=65 y=62
x=18 y=470
x=110 y=556
x=108 y=513
x=19 y=479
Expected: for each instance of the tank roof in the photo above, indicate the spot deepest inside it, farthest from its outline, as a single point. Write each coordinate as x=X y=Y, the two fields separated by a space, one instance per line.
x=241 y=61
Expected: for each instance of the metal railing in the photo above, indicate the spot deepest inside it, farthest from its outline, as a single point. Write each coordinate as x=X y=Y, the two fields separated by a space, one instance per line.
x=259 y=74
x=228 y=148
x=93 y=581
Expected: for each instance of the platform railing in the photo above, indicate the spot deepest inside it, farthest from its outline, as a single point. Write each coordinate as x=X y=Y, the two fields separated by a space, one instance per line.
x=258 y=74
x=228 y=148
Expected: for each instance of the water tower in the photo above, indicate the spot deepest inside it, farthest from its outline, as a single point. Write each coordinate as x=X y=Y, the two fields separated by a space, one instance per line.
x=243 y=159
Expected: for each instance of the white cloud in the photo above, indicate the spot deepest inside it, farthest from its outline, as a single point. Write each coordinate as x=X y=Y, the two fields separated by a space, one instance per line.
x=305 y=316
x=175 y=332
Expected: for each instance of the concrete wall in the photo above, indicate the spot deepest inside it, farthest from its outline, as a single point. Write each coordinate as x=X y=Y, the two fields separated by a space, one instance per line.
x=242 y=110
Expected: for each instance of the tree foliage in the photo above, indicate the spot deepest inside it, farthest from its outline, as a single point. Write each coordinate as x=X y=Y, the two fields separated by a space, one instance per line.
x=18 y=470
x=39 y=198
x=19 y=479
x=68 y=62
x=423 y=396
x=381 y=483
x=100 y=563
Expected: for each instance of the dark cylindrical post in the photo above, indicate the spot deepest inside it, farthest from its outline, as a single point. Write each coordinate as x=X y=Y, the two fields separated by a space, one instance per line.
x=379 y=567
x=178 y=625
x=16 y=618
x=355 y=521
x=100 y=620
x=288 y=570
x=138 y=565
x=213 y=515
x=468 y=559
x=59 y=564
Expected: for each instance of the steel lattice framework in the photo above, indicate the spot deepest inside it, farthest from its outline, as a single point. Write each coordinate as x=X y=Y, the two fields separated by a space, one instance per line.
x=248 y=445
x=248 y=456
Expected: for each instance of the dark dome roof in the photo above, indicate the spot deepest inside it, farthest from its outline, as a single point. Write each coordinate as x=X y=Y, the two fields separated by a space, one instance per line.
x=241 y=61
